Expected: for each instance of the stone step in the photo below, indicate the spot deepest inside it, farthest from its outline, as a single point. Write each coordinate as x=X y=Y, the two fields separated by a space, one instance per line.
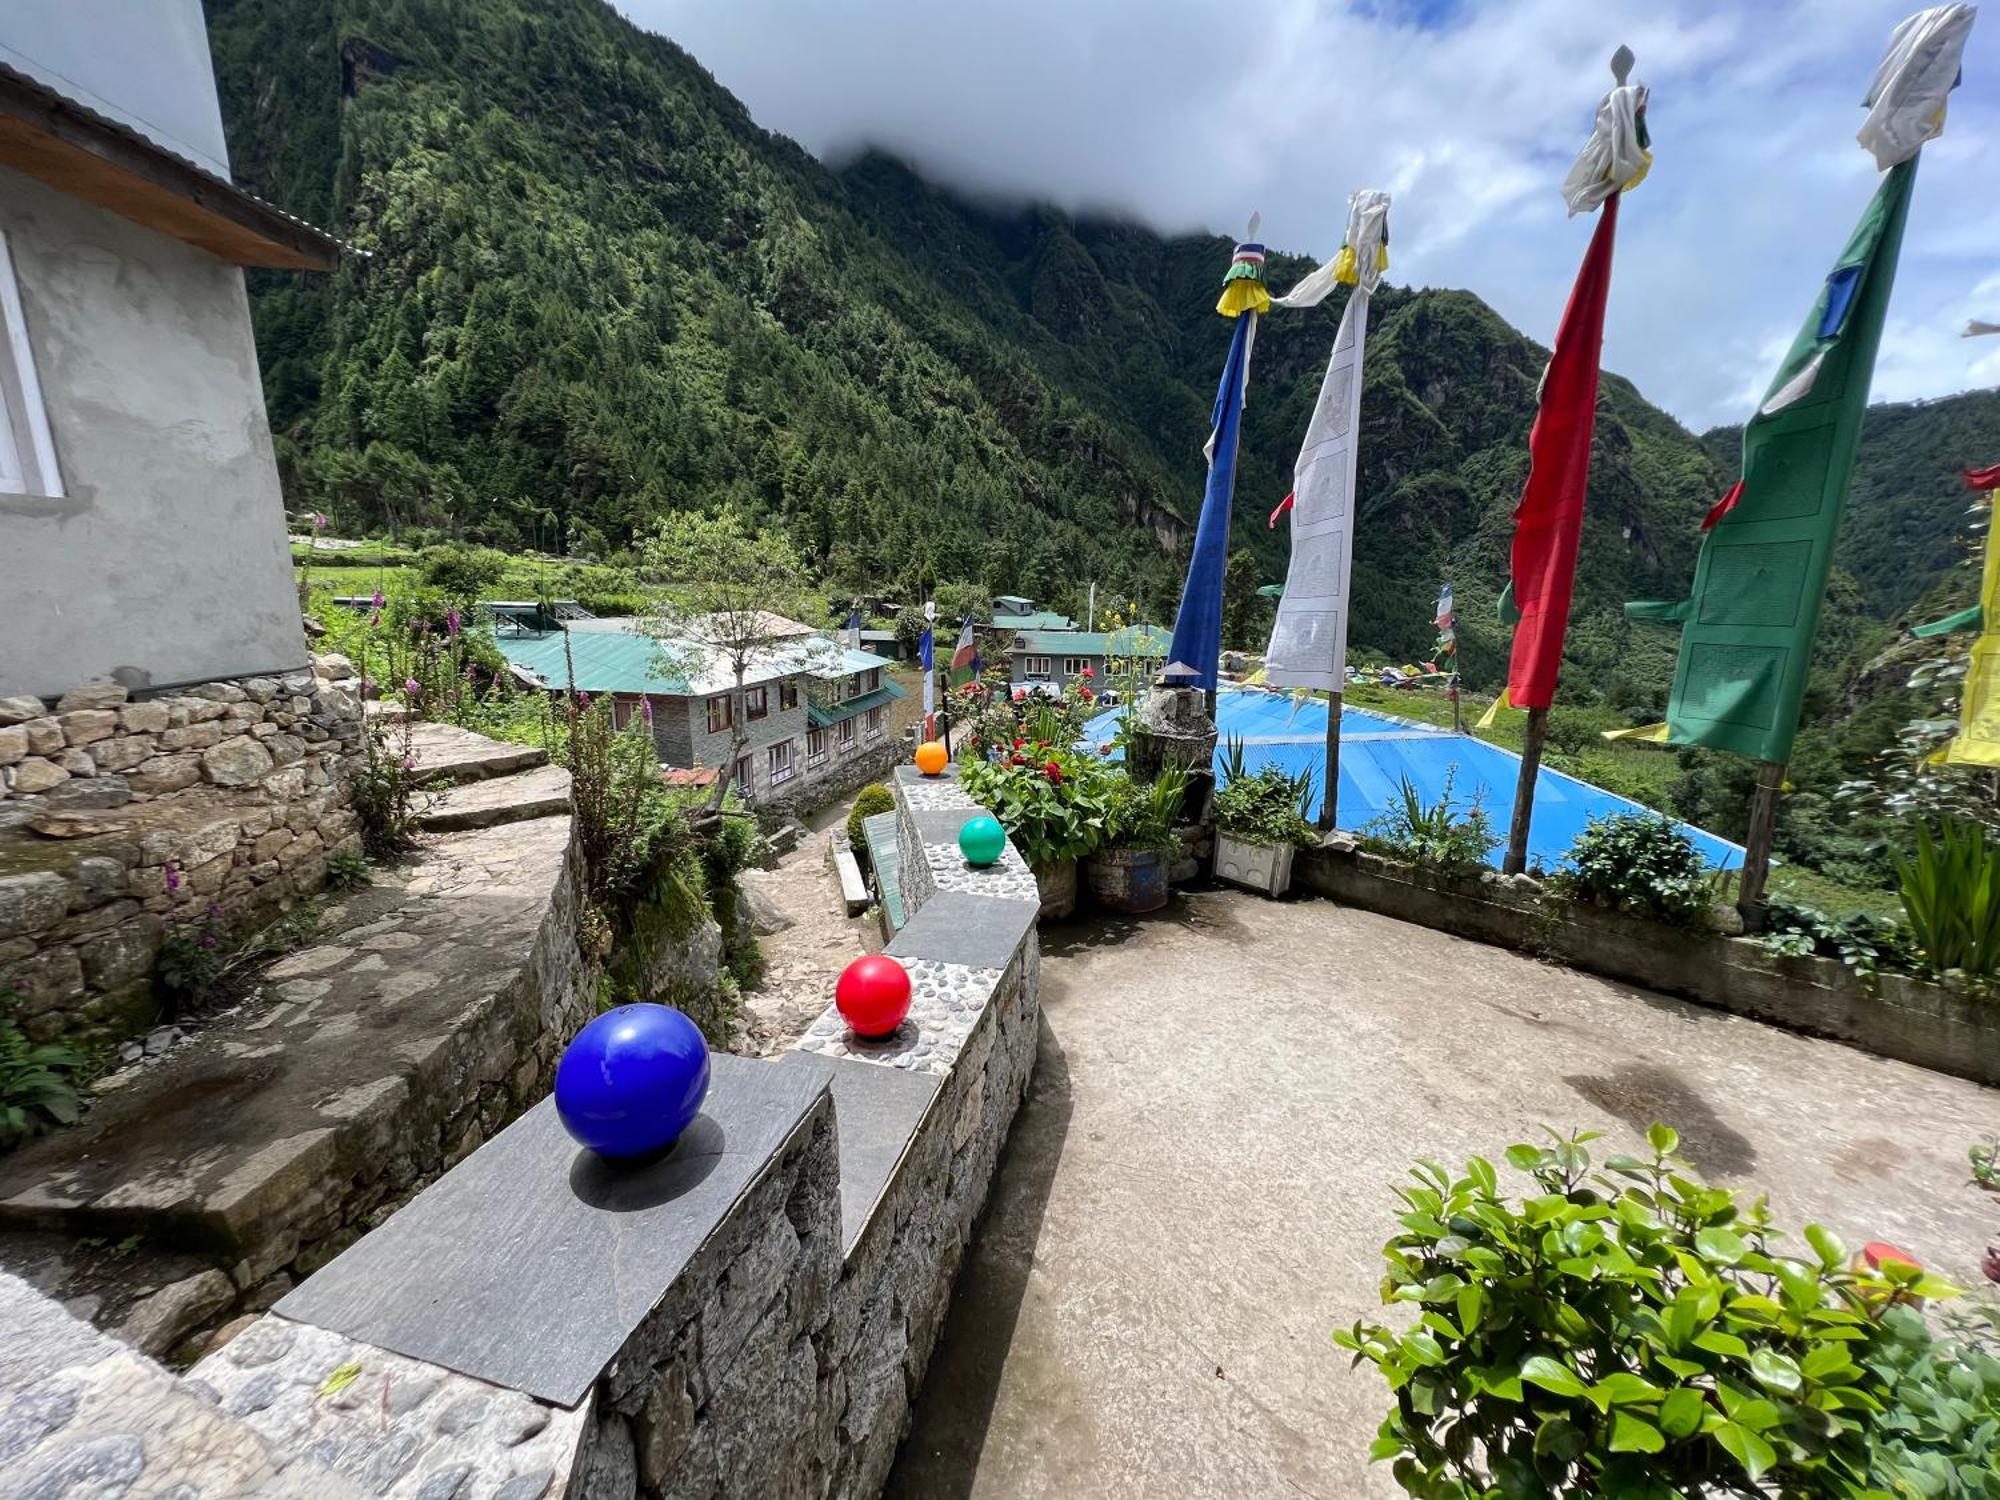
x=444 y=752
x=540 y=793
x=365 y=1064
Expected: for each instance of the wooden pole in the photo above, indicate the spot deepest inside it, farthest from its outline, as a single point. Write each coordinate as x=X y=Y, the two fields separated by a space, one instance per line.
x=1757 y=850
x=1524 y=793
x=1329 y=807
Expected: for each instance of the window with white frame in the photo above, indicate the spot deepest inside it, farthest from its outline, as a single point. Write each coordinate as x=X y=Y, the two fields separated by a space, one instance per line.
x=778 y=762
x=718 y=713
x=27 y=448
x=1035 y=668
x=788 y=695
x=874 y=722
x=846 y=733
x=756 y=703
x=1075 y=666
x=815 y=745
x=745 y=782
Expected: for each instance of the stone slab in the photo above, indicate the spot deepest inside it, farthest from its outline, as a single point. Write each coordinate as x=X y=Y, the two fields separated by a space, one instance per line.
x=540 y=793
x=530 y=1264
x=941 y=825
x=887 y=860
x=877 y=1113
x=444 y=752
x=980 y=932
x=853 y=889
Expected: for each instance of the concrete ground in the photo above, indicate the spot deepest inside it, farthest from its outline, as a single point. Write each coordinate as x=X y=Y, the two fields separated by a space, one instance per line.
x=1197 y=1190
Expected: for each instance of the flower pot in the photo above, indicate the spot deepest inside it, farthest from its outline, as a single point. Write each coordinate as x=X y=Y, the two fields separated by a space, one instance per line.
x=1255 y=866
x=1057 y=885
x=1127 y=880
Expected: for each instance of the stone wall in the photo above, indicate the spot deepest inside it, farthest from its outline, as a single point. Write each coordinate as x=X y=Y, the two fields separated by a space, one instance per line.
x=121 y=816
x=1933 y=1026
x=777 y=1286
x=815 y=787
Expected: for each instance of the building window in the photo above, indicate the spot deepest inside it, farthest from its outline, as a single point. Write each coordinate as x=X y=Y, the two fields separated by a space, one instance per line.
x=756 y=703
x=744 y=780
x=846 y=733
x=1075 y=666
x=788 y=696
x=718 y=713
x=815 y=746
x=1035 y=668
x=622 y=710
x=27 y=449
x=874 y=722
x=778 y=762
x=871 y=680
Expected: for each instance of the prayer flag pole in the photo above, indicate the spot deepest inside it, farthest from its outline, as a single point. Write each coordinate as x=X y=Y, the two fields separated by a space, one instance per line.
x=1747 y=628
x=1197 y=639
x=1548 y=523
x=1308 y=647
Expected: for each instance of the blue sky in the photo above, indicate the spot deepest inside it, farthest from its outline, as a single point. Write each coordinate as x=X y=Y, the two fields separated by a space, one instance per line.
x=1191 y=113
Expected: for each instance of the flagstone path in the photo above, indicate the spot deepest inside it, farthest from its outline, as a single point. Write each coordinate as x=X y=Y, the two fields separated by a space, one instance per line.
x=1196 y=1191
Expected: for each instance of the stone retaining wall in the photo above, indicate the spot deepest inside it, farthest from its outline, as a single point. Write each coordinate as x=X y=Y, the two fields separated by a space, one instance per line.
x=805 y=1245
x=1927 y=1024
x=117 y=818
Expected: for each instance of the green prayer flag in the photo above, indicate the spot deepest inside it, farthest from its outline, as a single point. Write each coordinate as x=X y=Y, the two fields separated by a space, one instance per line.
x=1747 y=630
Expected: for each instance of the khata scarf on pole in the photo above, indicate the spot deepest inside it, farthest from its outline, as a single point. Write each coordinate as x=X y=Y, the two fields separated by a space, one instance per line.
x=1548 y=523
x=1197 y=642
x=1977 y=742
x=1308 y=647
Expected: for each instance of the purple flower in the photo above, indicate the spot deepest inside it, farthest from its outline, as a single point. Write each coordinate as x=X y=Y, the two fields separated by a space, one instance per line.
x=409 y=763
x=451 y=622
x=208 y=940
x=380 y=599
x=646 y=709
x=319 y=521
x=215 y=908
x=375 y=617
x=173 y=876
x=412 y=687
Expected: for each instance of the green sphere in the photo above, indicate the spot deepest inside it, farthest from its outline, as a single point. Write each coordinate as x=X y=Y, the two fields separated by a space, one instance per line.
x=981 y=840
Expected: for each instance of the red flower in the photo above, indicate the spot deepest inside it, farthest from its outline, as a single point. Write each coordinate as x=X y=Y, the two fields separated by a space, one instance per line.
x=1087 y=695
x=1020 y=695
x=1019 y=743
x=1087 y=673
x=1018 y=761
x=1105 y=748
x=1054 y=772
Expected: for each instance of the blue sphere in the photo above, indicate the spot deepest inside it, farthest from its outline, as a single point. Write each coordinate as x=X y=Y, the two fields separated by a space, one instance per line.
x=632 y=1081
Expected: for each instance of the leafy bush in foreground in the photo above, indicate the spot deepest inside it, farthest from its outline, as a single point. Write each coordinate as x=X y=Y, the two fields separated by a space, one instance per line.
x=1433 y=835
x=1627 y=1333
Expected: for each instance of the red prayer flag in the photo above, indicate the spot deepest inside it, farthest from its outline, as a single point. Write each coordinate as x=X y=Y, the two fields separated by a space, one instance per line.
x=1983 y=479
x=1723 y=506
x=1548 y=523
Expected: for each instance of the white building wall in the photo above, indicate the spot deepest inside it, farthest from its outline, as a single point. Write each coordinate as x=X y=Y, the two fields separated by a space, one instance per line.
x=165 y=560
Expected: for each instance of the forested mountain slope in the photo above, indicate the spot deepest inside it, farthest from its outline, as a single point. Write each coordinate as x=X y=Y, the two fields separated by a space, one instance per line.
x=596 y=290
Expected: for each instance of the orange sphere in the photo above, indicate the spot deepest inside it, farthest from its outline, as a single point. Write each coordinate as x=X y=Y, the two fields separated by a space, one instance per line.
x=931 y=757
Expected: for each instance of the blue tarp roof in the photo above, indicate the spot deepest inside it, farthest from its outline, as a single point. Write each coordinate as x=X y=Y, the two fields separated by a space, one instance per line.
x=1377 y=751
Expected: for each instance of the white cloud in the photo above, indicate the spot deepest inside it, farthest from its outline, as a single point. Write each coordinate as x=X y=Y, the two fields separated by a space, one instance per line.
x=1191 y=113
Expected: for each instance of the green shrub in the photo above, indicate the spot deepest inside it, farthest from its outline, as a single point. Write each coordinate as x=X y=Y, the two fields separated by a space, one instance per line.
x=462 y=572
x=1951 y=894
x=1054 y=803
x=1627 y=1333
x=1866 y=944
x=1638 y=863
x=1267 y=806
x=871 y=801
x=1435 y=835
x=1940 y=1436
x=37 y=1084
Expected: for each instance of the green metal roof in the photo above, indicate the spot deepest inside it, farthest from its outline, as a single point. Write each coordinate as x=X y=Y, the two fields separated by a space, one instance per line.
x=1133 y=640
x=606 y=661
x=611 y=660
x=819 y=717
x=1046 y=619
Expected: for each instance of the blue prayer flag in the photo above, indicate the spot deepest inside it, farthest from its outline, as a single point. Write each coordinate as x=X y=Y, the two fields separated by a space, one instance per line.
x=1198 y=626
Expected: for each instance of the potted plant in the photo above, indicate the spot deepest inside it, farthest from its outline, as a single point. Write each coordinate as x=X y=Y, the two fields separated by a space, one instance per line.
x=1261 y=817
x=1052 y=802
x=1128 y=873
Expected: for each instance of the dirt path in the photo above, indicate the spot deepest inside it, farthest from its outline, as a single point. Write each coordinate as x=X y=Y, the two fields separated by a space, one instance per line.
x=802 y=960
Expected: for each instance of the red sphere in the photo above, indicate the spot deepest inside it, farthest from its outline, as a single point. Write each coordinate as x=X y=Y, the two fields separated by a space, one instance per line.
x=873 y=995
